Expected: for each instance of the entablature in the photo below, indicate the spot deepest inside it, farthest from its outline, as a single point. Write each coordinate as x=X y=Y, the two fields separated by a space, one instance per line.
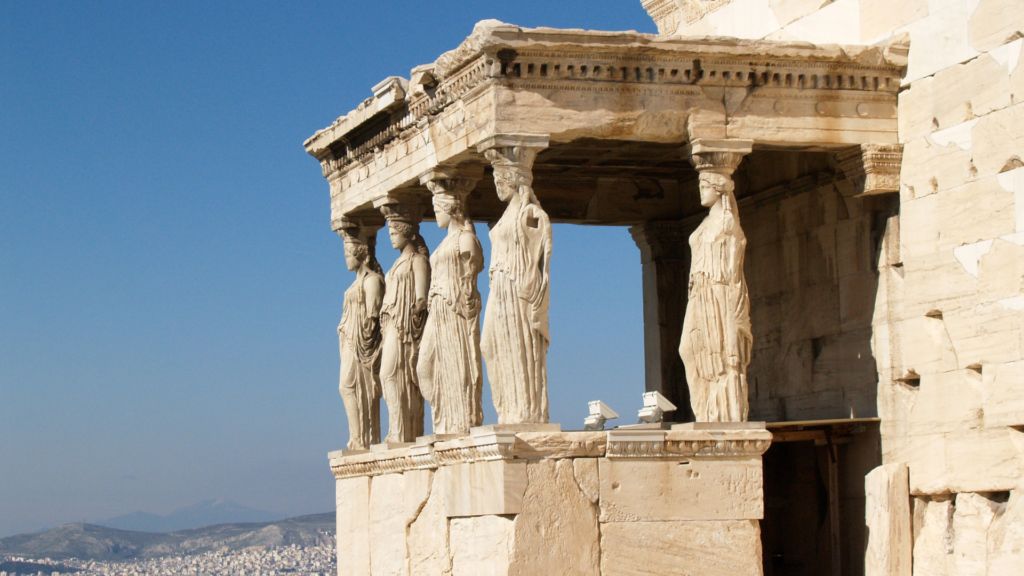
x=575 y=85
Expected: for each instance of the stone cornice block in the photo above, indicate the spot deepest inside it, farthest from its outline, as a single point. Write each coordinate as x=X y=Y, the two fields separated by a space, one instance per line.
x=717 y=443
x=636 y=443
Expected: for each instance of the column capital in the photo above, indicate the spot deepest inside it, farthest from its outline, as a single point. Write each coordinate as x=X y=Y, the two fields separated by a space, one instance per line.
x=411 y=213
x=720 y=156
x=872 y=168
x=661 y=239
x=452 y=180
x=364 y=223
x=518 y=150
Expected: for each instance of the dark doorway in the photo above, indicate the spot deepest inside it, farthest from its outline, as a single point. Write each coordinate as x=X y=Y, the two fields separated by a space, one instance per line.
x=814 y=497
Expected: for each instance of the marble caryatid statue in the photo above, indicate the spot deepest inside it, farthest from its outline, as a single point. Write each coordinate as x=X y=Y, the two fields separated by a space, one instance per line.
x=450 y=372
x=716 y=342
x=403 y=315
x=359 y=337
x=515 y=332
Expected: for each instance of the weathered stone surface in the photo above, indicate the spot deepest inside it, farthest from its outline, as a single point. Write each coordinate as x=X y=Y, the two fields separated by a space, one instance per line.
x=429 y=549
x=933 y=535
x=417 y=490
x=556 y=533
x=788 y=11
x=976 y=211
x=1006 y=537
x=708 y=548
x=929 y=166
x=971 y=520
x=936 y=282
x=947 y=402
x=967 y=91
x=837 y=21
x=994 y=23
x=353 y=517
x=978 y=460
x=481 y=545
x=484 y=488
x=888 y=517
x=987 y=333
x=1003 y=389
x=879 y=18
x=1001 y=272
x=997 y=138
x=915 y=112
x=938 y=41
x=743 y=19
x=388 y=551
x=533 y=445
x=654 y=490
x=1013 y=50
x=586 y=472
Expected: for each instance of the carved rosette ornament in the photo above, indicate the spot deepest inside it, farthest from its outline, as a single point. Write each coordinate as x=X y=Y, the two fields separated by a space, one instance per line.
x=449 y=367
x=403 y=315
x=872 y=168
x=716 y=342
x=515 y=335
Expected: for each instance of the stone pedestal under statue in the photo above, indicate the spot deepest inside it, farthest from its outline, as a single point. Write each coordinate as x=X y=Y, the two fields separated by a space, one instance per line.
x=530 y=499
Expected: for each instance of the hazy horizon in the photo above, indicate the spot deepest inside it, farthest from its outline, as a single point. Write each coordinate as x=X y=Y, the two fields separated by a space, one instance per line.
x=169 y=283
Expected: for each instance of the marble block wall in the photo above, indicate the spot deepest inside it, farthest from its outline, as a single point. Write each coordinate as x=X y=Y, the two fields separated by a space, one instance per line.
x=812 y=247
x=527 y=503
x=947 y=318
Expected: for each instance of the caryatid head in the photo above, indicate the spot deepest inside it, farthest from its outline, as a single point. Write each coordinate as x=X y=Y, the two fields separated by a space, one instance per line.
x=715 y=186
x=403 y=224
x=360 y=245
x=449 y=198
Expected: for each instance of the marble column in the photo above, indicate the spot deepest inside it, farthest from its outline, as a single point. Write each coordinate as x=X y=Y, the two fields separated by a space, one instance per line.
x=716 y=341
x=515 y=333
x=665 y=260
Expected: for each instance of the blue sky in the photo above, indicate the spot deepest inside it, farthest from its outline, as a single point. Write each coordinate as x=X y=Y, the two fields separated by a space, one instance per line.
x=169 y=284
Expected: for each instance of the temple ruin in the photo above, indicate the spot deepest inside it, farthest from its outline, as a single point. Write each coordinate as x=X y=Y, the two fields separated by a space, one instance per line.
x=830 y=219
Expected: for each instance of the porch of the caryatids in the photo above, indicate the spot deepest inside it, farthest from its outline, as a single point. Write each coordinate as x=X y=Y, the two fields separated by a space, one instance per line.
x=403 y=315
x=449 y=367
x=515 y=331
x=716 y=342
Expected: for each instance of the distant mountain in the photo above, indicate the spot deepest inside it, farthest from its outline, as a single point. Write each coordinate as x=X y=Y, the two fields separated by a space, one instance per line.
x=205 y=513
x=91 y=542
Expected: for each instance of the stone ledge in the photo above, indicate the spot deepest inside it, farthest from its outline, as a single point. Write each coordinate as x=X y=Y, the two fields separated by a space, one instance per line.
x=488 y=444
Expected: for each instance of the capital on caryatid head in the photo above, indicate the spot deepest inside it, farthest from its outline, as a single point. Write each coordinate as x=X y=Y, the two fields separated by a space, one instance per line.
x=365 y=223
x=456 y=181
x=512 y=156
x=719 y=156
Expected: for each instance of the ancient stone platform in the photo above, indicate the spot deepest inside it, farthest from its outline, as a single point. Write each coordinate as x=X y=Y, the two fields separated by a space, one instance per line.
x=514 y=501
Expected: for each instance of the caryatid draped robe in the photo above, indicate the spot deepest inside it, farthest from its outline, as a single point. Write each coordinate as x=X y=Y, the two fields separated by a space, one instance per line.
x=450 y=374
x=716 y=343
x=515 y=334
x=402 y=330
x=359 y=337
